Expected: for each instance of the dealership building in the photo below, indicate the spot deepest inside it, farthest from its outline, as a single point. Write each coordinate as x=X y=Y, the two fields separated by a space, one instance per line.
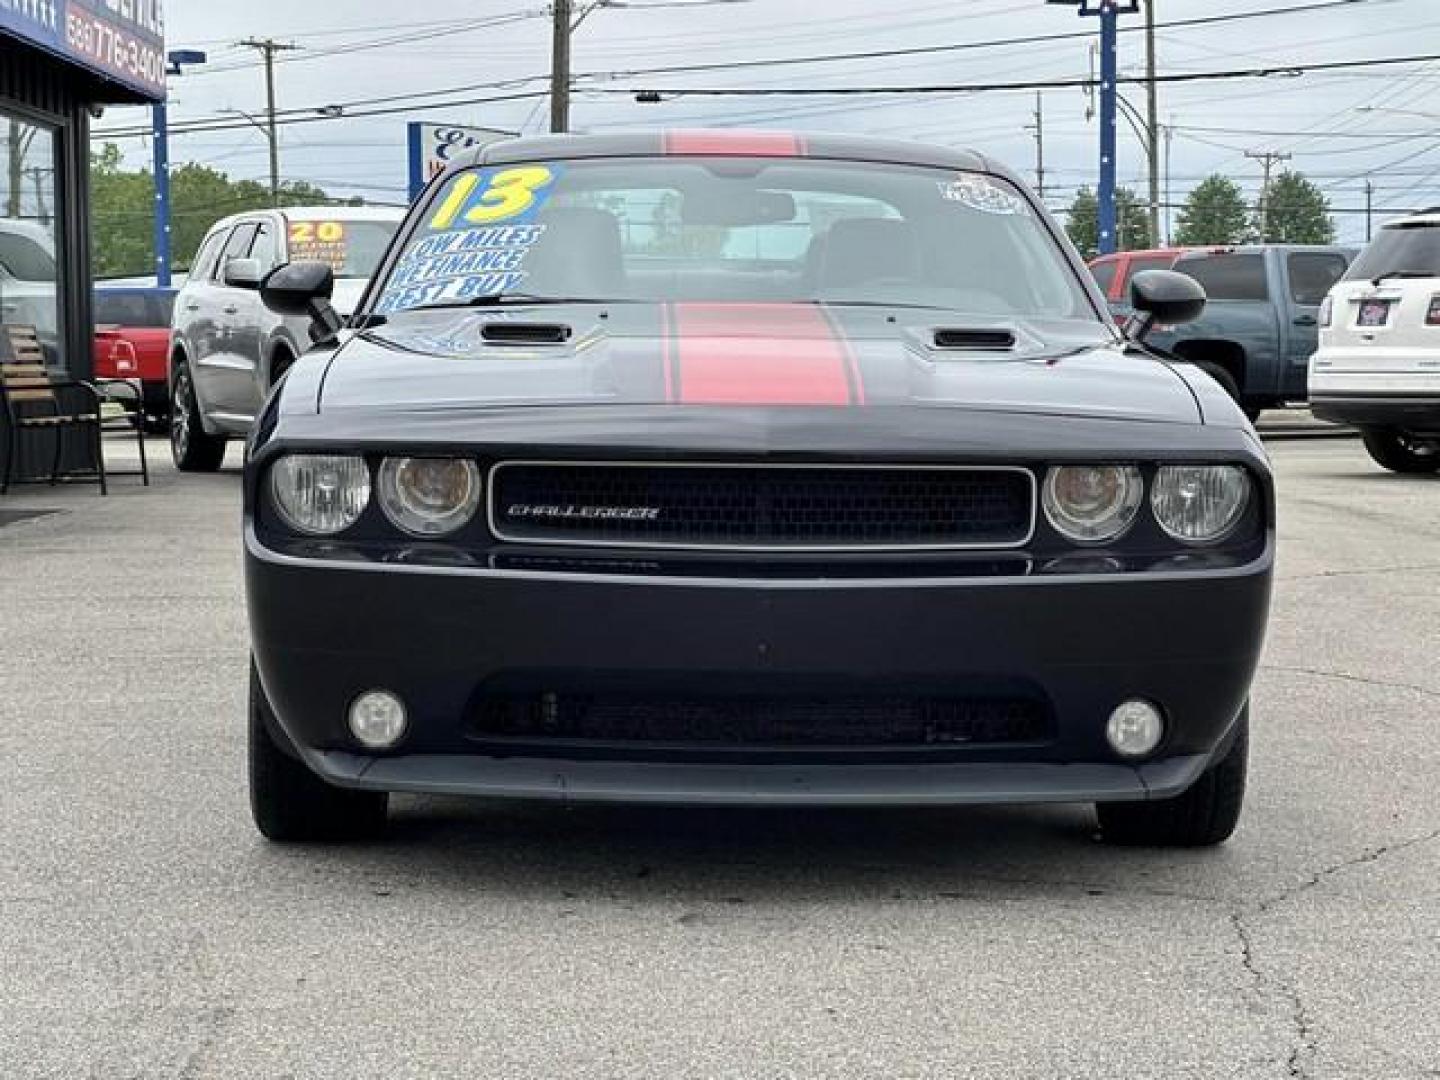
x=61 y=63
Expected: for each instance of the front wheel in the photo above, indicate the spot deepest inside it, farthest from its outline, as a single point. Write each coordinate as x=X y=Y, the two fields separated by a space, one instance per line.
x=291 y=803
x=1402 y=453
x=1204 y=815
x=190 y=446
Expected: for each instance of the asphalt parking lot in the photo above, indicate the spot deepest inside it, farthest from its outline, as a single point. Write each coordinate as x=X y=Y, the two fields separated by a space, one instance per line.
x=148 y=932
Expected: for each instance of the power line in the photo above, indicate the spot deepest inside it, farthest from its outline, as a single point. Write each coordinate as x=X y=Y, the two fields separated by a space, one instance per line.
x=1046 y=84
x=965 y=46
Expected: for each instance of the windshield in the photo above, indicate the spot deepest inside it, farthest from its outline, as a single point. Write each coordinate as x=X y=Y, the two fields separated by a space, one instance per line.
x=735 y=230
x=352 y=248
x=1399 y=251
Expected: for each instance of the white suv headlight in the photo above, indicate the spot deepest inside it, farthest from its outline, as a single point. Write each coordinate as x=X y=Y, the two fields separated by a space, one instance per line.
x=429 y=496
x=320 y=494
x=1091 y=504
x=1199 y=504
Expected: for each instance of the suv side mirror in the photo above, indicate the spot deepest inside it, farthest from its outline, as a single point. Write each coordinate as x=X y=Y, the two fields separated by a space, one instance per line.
x=303 y=288
x=243 y=273
x=1164 y=296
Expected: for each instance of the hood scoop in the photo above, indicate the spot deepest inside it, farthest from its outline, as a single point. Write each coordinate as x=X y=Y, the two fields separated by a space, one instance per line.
x=960 y=339
x=523 y=333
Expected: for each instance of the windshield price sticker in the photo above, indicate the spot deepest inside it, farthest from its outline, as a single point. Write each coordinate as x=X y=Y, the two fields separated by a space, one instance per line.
x=479 y=235
x=982 y=194
x=320 y=241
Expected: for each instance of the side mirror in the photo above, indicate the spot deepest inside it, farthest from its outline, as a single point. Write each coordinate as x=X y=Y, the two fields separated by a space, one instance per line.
x=243 y=273
x=303 y=288
x=1164 y=296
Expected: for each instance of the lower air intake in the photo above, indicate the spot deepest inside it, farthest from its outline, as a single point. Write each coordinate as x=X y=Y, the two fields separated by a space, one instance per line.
x=762 y=721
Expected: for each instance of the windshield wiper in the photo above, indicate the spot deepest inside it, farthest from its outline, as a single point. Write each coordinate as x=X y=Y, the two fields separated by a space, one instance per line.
x=910 y=305
x=1400 y=275
x=501 y=299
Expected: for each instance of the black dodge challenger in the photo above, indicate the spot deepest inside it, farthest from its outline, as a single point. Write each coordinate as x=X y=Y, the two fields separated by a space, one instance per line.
x=748 y=468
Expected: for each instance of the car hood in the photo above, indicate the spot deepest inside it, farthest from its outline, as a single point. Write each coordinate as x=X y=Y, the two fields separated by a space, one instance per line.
x=762 y=355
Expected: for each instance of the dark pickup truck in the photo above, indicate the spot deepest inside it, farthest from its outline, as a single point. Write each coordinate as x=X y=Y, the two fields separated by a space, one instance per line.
x=1261 y=324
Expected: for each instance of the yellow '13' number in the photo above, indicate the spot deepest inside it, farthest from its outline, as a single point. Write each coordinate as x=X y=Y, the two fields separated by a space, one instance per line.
x=509 y=194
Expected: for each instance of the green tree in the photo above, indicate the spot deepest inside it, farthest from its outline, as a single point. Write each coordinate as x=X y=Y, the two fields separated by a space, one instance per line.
x=1082 y=222
x=123 y=208
x=1214 y=213
x=1297 y=212
x=1131 y=217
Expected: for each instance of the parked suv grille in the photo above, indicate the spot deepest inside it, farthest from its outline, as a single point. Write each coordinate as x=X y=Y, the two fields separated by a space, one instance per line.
x=761 y=721
x=800 y=508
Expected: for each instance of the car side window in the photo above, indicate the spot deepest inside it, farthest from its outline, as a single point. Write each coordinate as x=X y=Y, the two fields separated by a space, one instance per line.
x=1312 y=273
x=201 y=265
x=1104 y=274
x=1228 y=277
x=237 y=248
x=1149 y=262
x=265 y=249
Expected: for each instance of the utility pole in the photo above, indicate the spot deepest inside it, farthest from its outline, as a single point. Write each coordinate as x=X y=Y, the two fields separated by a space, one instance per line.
x=1039 y=128
x=1268 y=160
x=1169 y=130
x=560 y=66
x=1152 y=120
x=175 y=62
x=1369 y=207
x=1109 y=108
x=1109 y=12
x=269 y=47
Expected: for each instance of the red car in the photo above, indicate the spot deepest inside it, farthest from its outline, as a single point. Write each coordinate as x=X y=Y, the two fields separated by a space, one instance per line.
x=132 y=341
x=1113 y=272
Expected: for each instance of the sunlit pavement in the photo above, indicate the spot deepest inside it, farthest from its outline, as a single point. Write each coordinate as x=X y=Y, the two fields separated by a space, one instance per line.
x=147 y=931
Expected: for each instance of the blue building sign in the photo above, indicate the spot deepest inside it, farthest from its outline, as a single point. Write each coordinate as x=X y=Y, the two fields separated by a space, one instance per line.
x=119 y=40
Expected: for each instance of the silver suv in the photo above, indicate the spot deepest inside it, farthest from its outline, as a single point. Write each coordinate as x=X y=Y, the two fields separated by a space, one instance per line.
x=227 y=350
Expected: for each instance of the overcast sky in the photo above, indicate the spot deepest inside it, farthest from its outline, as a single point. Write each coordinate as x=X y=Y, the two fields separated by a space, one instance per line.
x=1339 y=126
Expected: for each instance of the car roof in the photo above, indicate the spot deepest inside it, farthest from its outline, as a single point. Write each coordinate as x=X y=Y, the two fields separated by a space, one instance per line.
x=1430 y=216
x=1259 y=249
x=328 y=213
x=728 y=142
x=107 y=287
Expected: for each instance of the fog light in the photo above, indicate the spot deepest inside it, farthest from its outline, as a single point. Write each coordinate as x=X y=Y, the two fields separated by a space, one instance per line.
x=1135 y=728
x=377 y=719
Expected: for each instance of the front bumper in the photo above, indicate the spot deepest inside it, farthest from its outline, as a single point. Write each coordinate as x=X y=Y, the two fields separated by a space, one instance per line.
x=324 y=631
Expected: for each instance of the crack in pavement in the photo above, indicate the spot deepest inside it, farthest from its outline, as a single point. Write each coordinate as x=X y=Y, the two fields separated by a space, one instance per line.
x=1305 y=1039
x=1304 y=1043
x=1343 y=677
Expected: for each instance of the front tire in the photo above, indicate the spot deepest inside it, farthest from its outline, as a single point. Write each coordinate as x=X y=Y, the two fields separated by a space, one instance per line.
x=1401 y=453
x=190 y=446
x=1204 y=815
x=289 y=802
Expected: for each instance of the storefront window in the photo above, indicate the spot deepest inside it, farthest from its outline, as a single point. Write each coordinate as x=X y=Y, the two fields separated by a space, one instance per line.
x=29 y=275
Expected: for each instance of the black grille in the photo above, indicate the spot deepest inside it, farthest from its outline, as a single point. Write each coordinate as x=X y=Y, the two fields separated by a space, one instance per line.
x=761 y=721
x=763 y=506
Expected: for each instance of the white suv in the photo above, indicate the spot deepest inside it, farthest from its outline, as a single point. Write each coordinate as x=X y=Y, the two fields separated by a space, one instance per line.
x=1378 y=366
x=227 y=350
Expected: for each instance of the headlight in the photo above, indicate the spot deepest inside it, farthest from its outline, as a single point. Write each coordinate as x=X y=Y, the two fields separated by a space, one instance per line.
x=1199 y=504
x=1091 y=504
x=429 y=496
x=320 y=494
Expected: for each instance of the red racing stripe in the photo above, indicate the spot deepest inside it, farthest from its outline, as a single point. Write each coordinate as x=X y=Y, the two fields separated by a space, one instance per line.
x=734 y=143
x=761 y=354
